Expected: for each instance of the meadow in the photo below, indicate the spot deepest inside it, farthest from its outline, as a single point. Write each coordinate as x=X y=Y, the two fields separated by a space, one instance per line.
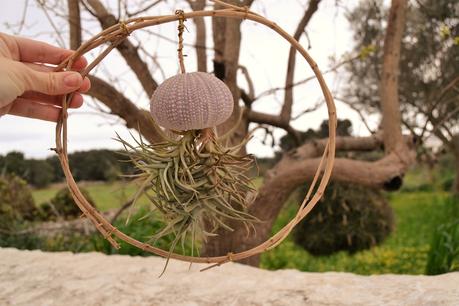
x=417 y=215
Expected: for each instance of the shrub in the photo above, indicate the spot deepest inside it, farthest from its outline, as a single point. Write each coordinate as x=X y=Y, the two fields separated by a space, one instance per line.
x=349 y=218
x=16 y=202
x=62 y=206
x=40 y=173
x=142 y=226
x=447 y=183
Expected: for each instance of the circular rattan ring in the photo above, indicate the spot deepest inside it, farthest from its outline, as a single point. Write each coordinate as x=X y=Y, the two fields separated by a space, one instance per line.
x=114 y=36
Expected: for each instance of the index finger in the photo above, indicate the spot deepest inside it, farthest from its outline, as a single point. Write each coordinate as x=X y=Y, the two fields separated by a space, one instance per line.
x=37 y=51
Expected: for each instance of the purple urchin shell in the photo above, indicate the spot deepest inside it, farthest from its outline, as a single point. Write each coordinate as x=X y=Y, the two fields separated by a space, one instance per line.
x=191 y=101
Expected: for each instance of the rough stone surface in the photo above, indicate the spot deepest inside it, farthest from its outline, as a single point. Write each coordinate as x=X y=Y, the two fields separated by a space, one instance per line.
x=38 y=278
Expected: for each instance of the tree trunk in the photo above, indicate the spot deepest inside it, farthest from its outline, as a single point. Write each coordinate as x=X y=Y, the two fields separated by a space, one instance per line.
x=297 y=167
x=74 y=24
x=390 y=105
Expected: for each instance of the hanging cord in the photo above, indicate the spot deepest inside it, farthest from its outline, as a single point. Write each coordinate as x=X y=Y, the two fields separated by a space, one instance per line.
x=181 y=27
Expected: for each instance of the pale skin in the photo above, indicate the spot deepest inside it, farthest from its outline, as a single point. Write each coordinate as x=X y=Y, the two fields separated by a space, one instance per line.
x=28 y=85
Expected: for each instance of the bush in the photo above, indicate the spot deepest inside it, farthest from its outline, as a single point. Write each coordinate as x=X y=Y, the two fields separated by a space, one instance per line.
x=443 y=255
x=447 y=184
x=141 y=228
x=40 y=173
x=348 y=218
x=16 y=202
x=62 y=206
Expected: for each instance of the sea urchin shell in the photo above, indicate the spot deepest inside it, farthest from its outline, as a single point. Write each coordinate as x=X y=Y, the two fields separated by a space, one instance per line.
x=191 y=101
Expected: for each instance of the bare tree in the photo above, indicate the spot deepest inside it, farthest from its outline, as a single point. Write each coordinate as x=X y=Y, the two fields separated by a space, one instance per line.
x=296 y=166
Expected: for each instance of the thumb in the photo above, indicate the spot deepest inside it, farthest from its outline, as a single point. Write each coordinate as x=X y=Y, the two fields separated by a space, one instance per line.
x=52 y=83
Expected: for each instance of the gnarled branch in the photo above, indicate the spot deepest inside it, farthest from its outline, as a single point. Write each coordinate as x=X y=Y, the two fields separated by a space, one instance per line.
x=124 y=108
x=286 y=110
x=126 y=48
x=201 y=33
x=74 y=23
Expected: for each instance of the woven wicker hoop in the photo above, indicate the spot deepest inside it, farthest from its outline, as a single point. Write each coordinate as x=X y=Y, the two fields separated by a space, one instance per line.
x=115 y=35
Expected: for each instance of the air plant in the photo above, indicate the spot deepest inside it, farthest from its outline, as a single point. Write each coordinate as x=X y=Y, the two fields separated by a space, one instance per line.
x=195 y=183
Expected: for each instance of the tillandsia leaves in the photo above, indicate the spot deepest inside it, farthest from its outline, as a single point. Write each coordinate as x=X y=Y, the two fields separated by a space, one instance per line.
x=196 y=184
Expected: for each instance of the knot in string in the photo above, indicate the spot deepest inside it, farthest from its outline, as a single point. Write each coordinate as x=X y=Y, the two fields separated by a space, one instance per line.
x=125 y=28
x=246 y=9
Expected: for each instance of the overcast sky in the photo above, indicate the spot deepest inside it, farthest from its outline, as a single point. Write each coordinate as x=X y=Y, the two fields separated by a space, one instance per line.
x=263 y=53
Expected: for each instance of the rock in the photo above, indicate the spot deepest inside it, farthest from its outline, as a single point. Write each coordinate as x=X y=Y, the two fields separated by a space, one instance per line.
x=38 y=278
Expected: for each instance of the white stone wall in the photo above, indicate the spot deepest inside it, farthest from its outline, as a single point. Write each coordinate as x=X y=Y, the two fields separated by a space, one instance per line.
x=37 y=278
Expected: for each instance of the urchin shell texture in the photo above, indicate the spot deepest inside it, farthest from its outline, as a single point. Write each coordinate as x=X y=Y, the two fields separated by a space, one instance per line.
x=191 y=101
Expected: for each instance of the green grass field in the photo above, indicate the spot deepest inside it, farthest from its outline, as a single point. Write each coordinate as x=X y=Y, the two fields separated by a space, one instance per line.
x=105 y=195
x=405 y=251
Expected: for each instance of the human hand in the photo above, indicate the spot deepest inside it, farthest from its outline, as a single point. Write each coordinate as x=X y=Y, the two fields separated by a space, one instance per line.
x=28 y=85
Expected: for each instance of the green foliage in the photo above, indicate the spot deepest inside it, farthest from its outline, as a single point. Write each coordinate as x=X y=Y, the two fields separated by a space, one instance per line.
x=40 y=173
x=36 y=172
x=93 y=165
x=140 y=228
x=62 y=205
x=107 y=195
x=195 y=184
x=429 y=65
x=447 y=183
x=446 y=172
x=11 y=237
x=16 y=201
x=403 y=252
x=443 y=255
x=98 y=165
x=348 y=218
x=13 y=163
x=429 y=59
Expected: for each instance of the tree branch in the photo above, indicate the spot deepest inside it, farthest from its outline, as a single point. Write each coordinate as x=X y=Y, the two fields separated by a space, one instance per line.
x=299 y=166
x=121 y=106
x=245 y=72
x=201 y=34
x=142 y=10
x=286 y=111
x=74 y=23
x=358 y=111
x=390 y=104
x=274 y=120
x=126 y=48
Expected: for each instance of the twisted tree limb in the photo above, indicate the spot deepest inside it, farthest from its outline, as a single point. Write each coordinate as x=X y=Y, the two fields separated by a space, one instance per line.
x=74 y=23
x=286 y=111
x=126 y=48
x=201 y=34
x=121 y=106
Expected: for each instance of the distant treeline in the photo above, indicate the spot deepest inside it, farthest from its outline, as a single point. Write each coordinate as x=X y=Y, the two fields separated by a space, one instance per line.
x=93 y=165
x=108 y=165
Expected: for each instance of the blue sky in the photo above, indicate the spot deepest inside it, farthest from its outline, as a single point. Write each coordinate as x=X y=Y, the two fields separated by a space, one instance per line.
x=262 y=52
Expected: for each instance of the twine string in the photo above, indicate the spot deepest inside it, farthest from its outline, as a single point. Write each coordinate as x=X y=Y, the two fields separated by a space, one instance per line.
x=181 y=27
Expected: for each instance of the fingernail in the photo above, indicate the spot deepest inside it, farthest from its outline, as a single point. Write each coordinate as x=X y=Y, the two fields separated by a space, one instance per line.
x=73 y=80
